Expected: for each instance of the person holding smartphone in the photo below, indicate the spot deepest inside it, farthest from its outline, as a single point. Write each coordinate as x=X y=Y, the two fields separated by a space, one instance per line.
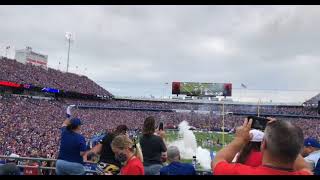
x=153 y=148
x=72 y=147
x=251 y=154
x=281 y=147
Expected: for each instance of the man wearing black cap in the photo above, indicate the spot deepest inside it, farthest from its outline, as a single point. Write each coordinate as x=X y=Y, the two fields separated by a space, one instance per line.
x=72 y=149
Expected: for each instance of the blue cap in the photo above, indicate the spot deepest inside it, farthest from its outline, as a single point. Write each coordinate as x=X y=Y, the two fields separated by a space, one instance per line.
x=75 y=122
x=311 y=142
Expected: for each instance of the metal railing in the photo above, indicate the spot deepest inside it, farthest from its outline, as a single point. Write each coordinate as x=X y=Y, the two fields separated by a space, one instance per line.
x=40 y=167
x=39 y=163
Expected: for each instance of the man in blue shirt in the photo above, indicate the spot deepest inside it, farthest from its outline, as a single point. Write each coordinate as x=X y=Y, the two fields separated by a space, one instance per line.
x=312 y=152
x=175 y=167
x=72 y=148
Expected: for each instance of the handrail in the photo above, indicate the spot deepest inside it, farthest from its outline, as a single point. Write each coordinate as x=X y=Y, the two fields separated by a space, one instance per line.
x=38 y=160
x=39 y=167
x=27 y=158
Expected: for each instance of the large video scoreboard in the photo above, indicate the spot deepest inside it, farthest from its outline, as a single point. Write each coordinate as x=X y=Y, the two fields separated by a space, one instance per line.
x=202 y=89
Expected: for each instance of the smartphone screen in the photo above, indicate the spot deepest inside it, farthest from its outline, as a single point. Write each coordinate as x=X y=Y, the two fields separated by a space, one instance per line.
x=161 y=126
x=258 y=122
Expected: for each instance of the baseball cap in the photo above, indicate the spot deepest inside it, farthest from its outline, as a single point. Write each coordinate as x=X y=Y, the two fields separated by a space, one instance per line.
x=257 y=135
x=311 y=142
x=75 y=122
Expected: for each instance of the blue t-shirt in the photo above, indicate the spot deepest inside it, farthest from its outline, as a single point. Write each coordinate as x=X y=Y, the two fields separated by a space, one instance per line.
x=71 y=145
x=178 y=168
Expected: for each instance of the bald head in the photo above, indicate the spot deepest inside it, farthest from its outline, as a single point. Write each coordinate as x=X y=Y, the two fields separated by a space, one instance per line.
x=284 y=141
x=173 y=153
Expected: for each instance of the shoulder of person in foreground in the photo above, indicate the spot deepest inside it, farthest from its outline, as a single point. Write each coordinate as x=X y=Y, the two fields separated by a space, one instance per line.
x=190 y=168
x=225 y=168
x=164 y=170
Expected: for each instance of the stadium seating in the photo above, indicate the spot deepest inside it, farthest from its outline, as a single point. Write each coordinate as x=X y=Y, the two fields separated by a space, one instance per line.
x=14 y=71
x=28 y=124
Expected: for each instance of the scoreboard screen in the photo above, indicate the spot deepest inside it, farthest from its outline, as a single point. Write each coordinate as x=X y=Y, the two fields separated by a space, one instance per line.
x=202 y=89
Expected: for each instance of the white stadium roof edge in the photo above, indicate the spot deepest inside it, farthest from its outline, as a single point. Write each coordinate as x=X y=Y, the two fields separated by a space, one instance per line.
x=201 y=101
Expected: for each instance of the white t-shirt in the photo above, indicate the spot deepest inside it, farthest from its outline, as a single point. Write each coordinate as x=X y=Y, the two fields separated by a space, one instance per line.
x=313 y=158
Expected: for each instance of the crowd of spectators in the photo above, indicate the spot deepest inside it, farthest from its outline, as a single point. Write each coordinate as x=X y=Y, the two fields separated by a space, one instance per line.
x=27 y=124
x=14 y=71
x=235 y=108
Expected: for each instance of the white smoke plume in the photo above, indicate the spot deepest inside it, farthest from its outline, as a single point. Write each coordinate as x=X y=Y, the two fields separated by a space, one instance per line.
x=187 y=145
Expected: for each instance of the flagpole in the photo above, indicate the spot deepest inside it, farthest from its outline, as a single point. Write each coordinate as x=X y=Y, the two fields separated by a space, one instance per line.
x=68 y=55
x=70 y=37
x=223 y=123
x=259 y=108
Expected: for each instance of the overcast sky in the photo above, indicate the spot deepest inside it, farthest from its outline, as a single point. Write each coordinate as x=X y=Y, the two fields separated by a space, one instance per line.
x=134 y=50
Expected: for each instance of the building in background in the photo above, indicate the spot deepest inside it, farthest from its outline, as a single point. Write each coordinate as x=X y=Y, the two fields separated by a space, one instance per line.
x=28 y=56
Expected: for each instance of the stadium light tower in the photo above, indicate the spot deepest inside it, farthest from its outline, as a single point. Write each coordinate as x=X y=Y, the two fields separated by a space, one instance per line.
x=70 y=38
x=7 y=48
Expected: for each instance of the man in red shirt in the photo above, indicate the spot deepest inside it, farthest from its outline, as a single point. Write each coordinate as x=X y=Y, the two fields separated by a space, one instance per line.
x=281 y=147
x=124 y=151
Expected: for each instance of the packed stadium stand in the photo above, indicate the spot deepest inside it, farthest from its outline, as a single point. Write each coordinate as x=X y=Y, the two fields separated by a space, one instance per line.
x=14 y=71
x=28 y=123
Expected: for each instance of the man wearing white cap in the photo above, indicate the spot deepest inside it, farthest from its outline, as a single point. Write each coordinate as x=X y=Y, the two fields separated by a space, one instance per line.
x=250 y=154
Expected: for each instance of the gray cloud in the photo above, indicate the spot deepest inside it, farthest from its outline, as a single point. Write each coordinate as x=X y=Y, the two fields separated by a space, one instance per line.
x=265 y=47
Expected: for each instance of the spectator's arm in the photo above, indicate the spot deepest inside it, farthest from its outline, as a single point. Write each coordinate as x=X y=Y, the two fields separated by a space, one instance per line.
x=67 y=121
x=83 y=147
x=162 y=134
x=96 y=150
x=163 y=146
x=163 y=149
x=69 y=110
x=302 y=164
x=229 y=152
x=139 y=152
